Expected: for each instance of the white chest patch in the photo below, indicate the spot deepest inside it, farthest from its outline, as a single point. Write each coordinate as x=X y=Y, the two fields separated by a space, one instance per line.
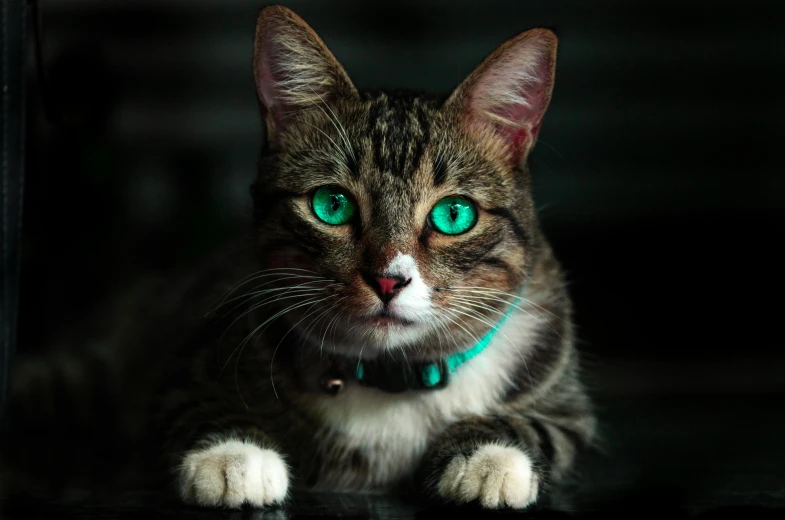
x=393 y=429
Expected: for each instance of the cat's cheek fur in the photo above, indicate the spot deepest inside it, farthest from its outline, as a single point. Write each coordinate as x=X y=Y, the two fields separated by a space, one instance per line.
x=232 y=473
x=498 y=476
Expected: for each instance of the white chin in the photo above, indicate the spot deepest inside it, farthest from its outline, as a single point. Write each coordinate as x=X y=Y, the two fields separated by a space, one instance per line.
x=378 y=338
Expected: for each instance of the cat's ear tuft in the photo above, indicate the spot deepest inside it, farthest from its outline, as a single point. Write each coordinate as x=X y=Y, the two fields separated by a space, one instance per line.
x=509 y=91
x=293 y=69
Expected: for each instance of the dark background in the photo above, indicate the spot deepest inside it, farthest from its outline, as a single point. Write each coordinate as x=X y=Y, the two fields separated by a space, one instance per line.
x=659 y=174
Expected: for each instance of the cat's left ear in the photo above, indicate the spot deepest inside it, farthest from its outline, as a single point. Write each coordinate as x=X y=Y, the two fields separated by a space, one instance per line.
x=508 y=93
x=294 y=70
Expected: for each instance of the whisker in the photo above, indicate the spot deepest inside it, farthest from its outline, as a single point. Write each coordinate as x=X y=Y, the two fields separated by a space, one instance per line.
x=481 y=320
x=254 y=331
x=278 y=315
x=321 y=345
x=274 y=299
x=493 y=298
x=475 y=315
x=335 y=327
x=477 y=304
x=265 y=272
x=284 y=290
x=336 y=123
x=342 y=152
x=449 y=316
x=497 y=297
x=272 y=361
x=432 y=322
x=253 y=293
x=360 y=358
x=489 y=291
x=309 y=328
x=438 y=160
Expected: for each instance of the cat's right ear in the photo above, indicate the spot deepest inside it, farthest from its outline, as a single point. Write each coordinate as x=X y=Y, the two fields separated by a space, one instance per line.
x=293 y=69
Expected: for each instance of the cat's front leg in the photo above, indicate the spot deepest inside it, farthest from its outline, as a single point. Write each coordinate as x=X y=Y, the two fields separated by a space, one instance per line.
x=501 y=461
x=221 y=459
x=494 y=474
x=232 y=471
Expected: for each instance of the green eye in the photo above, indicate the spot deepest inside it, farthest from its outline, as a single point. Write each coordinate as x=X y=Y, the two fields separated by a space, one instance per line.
x=332 y=205
x=453 y=215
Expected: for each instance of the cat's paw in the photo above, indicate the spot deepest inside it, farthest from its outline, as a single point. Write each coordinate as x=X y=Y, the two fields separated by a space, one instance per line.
x=497 y=476
x=233 y=473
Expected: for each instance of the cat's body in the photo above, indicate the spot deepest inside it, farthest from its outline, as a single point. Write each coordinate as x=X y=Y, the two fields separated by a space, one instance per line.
x=363 y=438
x=266 y=392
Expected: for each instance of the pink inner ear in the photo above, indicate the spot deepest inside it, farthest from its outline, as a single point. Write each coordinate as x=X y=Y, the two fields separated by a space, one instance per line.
x=517 y=134
x=523 y=117
x=272 y=96
x=512 y=94
x=518 y=138
x=525 y=113
x=266 y=82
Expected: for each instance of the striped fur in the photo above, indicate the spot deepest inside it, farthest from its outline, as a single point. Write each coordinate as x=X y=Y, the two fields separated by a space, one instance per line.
x=236 y=413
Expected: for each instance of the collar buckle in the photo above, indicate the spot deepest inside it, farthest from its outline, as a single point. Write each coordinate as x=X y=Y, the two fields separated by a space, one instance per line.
x=396 y=377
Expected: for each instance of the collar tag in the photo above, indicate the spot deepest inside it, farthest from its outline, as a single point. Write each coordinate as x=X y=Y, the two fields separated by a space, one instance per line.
x=396 y=377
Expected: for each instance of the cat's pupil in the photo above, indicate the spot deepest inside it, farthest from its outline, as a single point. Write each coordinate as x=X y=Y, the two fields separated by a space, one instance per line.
x=453 y=212
x=335 y=202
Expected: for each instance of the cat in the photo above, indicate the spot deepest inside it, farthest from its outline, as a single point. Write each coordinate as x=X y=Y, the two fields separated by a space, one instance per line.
x=396 y=319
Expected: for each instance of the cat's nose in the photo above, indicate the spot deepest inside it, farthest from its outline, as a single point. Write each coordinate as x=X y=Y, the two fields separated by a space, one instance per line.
x=387 y=286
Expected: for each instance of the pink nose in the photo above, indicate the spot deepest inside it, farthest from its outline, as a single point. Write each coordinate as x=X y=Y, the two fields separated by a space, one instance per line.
x=388 y=286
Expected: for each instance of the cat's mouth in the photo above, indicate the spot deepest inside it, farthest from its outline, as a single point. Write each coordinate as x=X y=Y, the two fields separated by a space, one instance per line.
x=381 y=329
x=385 y=318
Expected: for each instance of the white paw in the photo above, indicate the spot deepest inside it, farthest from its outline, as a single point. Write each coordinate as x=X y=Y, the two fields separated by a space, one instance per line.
x=497 y=476
x=233 y=473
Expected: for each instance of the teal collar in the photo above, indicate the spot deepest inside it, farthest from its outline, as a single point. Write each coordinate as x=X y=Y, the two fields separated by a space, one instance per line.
x=430 y=375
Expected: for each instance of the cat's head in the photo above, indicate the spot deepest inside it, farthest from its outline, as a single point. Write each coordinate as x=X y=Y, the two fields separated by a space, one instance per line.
x=398 y=220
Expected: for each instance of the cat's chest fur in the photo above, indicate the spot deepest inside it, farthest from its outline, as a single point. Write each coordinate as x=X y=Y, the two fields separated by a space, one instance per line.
x=390 y=432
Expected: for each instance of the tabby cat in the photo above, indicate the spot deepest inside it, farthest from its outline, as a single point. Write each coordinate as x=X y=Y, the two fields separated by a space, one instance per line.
x=397 y=319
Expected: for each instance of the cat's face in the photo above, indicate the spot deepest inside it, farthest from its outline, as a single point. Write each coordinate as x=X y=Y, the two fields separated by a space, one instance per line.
x=398 y=221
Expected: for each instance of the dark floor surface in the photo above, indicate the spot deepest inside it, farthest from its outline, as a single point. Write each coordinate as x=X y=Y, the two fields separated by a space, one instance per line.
x=672 y=456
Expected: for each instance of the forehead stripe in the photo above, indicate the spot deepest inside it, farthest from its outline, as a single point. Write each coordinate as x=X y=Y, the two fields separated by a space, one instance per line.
x=439 y=171
x=399 y=131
